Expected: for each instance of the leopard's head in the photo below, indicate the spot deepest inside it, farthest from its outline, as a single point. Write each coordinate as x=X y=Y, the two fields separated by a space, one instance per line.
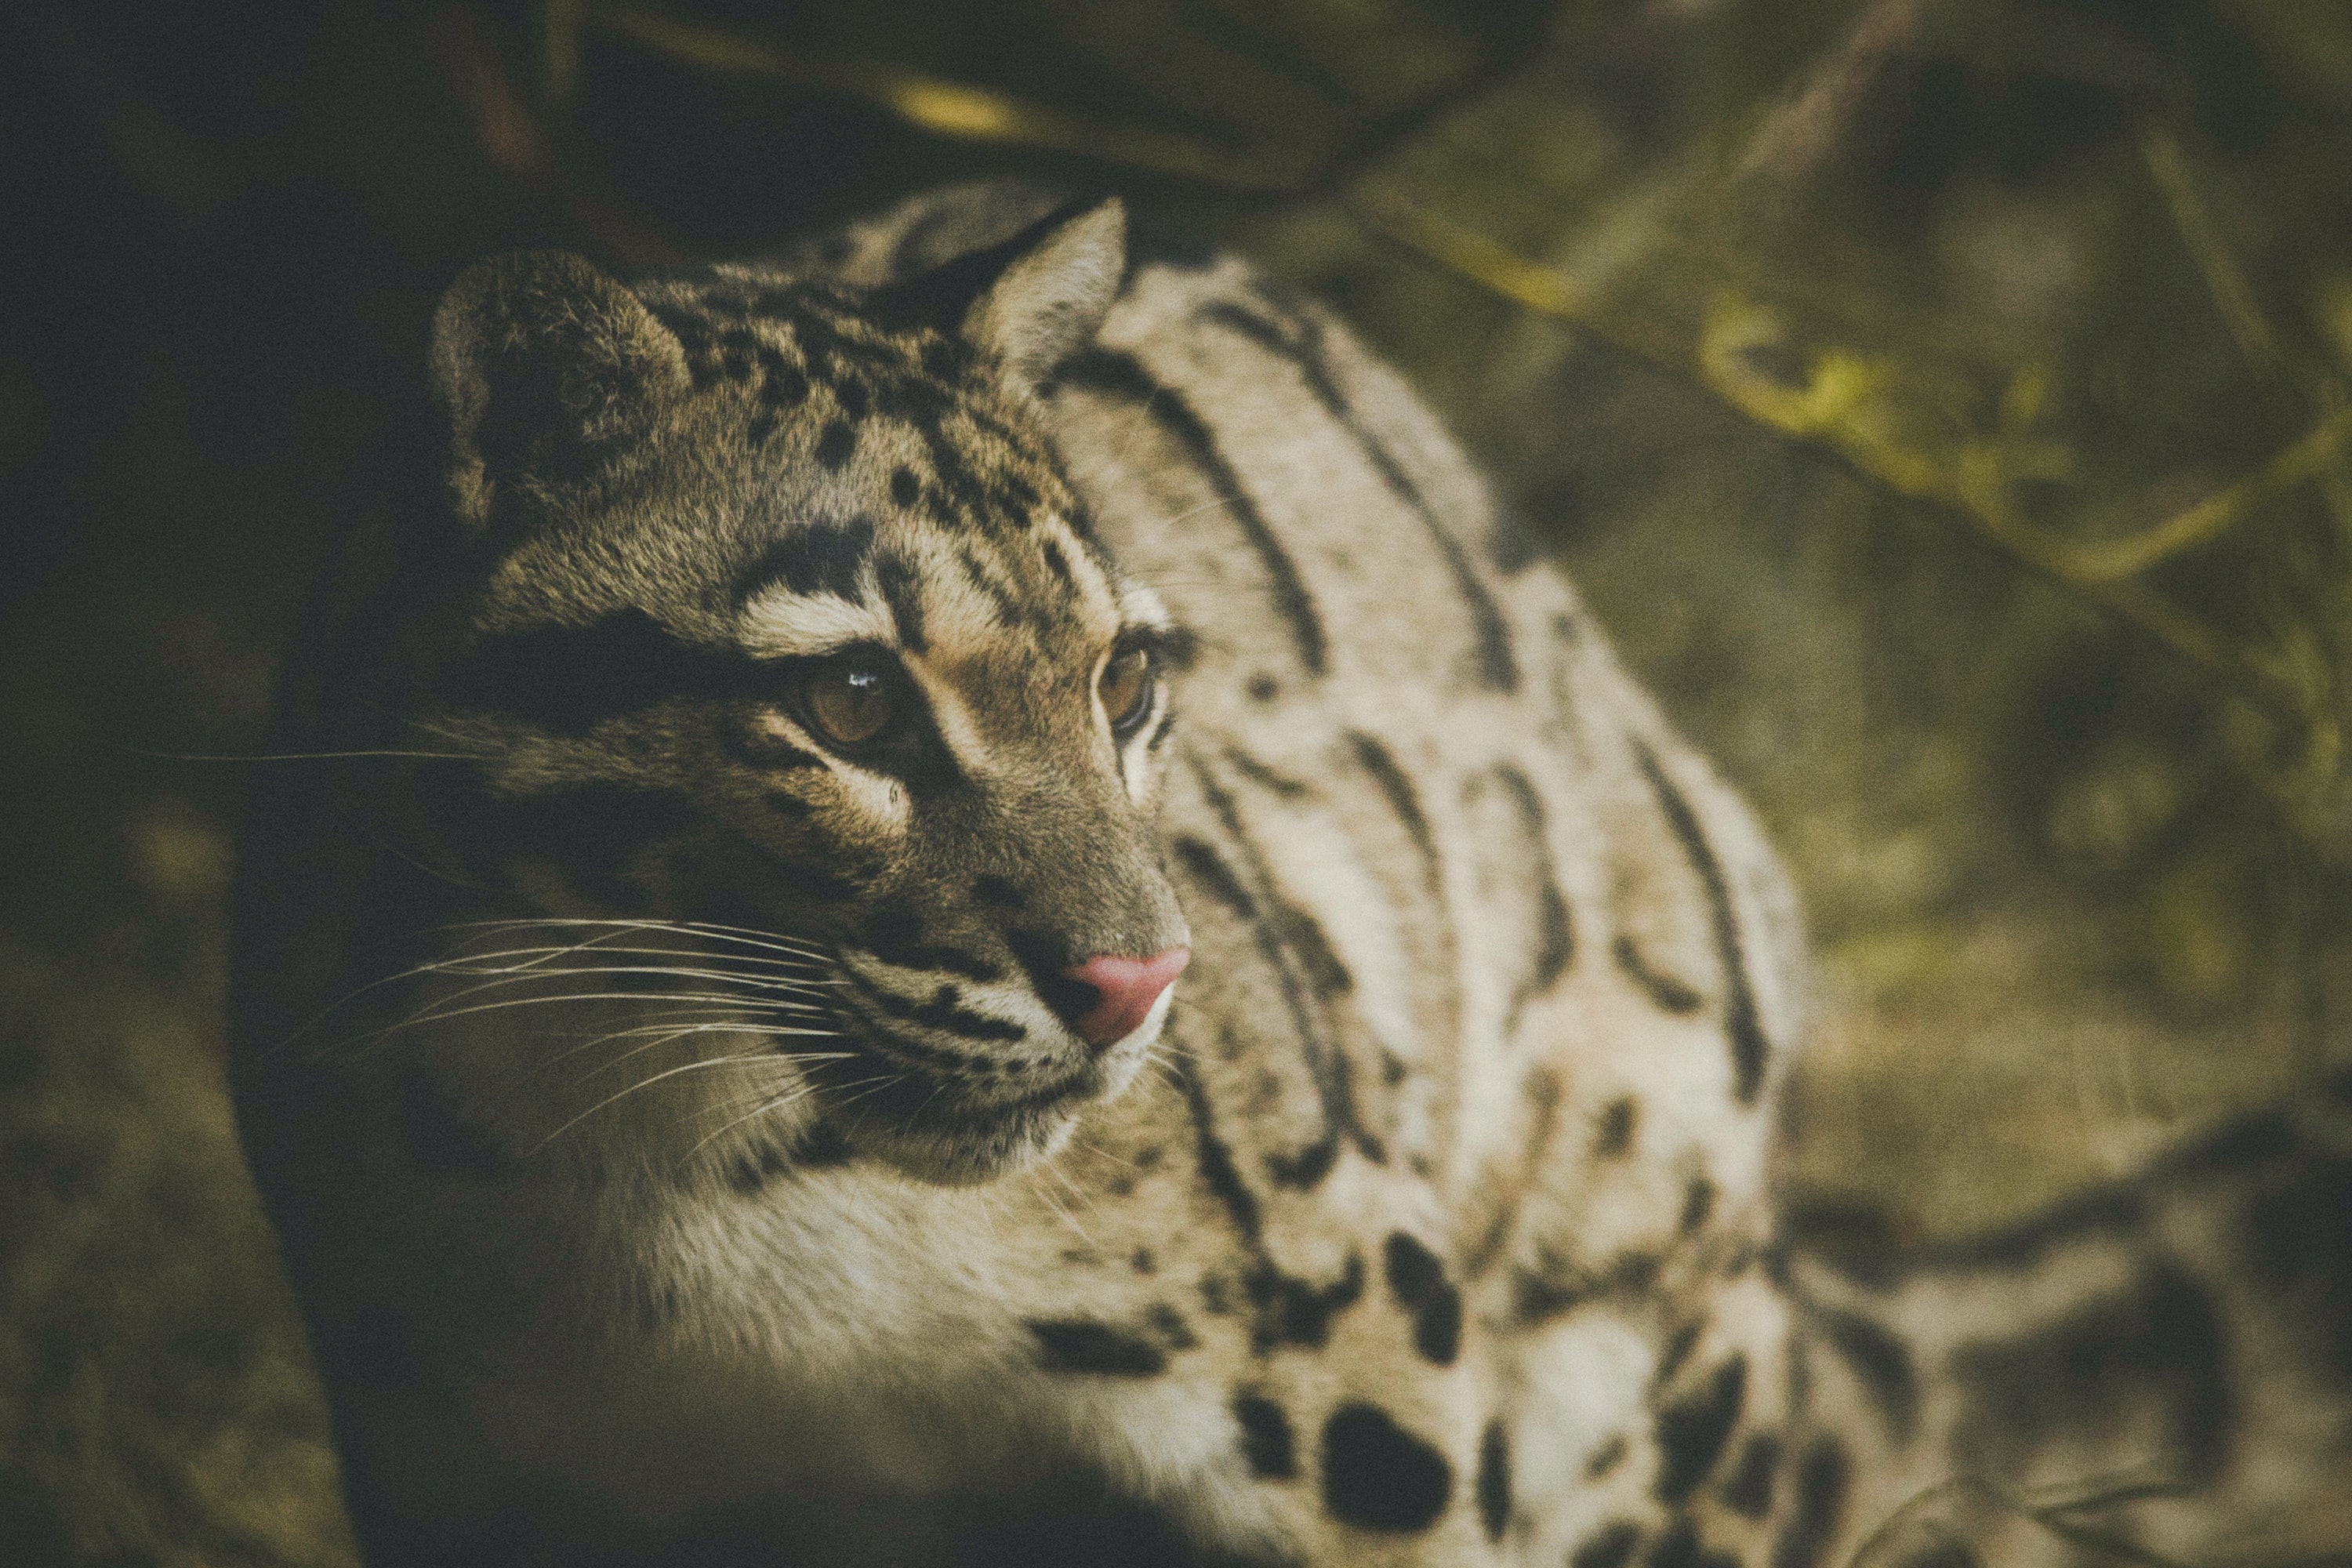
x=776 y=618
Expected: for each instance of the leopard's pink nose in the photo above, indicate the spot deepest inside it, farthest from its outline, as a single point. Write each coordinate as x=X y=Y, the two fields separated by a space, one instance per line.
x=1125 y=989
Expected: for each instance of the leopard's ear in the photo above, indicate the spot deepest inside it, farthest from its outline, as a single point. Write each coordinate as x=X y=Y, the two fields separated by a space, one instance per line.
x=1030 y=301
x=541 y=363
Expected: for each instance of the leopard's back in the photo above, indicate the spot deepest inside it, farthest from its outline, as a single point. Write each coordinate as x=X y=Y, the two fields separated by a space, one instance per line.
x=1495 y=983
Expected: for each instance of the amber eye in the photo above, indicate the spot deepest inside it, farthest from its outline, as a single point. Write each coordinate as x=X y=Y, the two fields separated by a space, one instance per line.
x=850 y=701
x=1126 y=689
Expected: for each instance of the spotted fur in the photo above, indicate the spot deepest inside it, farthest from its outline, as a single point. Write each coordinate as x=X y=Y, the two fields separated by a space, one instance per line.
x=678 y=1118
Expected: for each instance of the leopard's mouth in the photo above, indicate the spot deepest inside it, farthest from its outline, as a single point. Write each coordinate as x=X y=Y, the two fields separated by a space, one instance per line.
x=958 y=1082
x=936 y=1128
x=951 y=1116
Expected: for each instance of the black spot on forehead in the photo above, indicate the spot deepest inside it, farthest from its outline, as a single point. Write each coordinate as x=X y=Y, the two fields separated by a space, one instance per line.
x=905 y=488
x=835 y=443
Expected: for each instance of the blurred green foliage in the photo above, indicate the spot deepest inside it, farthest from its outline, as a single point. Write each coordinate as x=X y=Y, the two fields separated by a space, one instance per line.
x=1944 y=403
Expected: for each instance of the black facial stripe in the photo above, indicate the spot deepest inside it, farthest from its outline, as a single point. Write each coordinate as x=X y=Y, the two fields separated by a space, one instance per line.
x=593 y=829
x=1043 y=961
x=910 y=749
x=1059 y=564
x=1258 y=774
x=1123 y=375
x=1499 y=666
x=754 y=743
x=901 y=586
x=943 y=1012
x=896 y=939
x=566 y=678
x=1010 y=611
x=1740 y=1023
x=817 y=558
x=1165 y=727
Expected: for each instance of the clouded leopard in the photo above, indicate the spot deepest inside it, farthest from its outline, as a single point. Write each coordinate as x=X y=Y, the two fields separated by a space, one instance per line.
x=970 y=903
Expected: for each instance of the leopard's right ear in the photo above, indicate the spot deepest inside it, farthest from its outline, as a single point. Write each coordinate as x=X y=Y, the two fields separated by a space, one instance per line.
x=542 y=363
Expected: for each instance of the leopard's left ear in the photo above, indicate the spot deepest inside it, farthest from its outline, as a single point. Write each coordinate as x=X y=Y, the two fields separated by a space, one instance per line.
x=1030 y=301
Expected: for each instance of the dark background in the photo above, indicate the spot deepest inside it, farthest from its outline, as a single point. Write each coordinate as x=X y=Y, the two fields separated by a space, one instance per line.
x=1944 y=402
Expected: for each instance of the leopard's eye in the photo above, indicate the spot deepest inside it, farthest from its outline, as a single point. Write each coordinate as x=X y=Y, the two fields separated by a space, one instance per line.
x=850 y=701
x=1126 y=689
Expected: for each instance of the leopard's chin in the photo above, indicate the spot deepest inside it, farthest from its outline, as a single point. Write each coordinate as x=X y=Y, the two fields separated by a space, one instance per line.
x=948 y=1135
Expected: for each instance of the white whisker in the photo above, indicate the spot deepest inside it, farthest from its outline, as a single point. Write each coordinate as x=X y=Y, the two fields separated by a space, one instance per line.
x=648 y=1083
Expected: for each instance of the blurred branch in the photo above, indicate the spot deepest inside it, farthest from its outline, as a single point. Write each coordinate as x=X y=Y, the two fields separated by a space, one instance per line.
x=2308 y=459
x=967 y=114
x=1839 y=408
x=2223 y=278
x=2234 y=296
x=949 y=109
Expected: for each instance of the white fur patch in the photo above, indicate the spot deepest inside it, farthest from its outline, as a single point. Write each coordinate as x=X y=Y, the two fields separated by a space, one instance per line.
x=784 y=625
